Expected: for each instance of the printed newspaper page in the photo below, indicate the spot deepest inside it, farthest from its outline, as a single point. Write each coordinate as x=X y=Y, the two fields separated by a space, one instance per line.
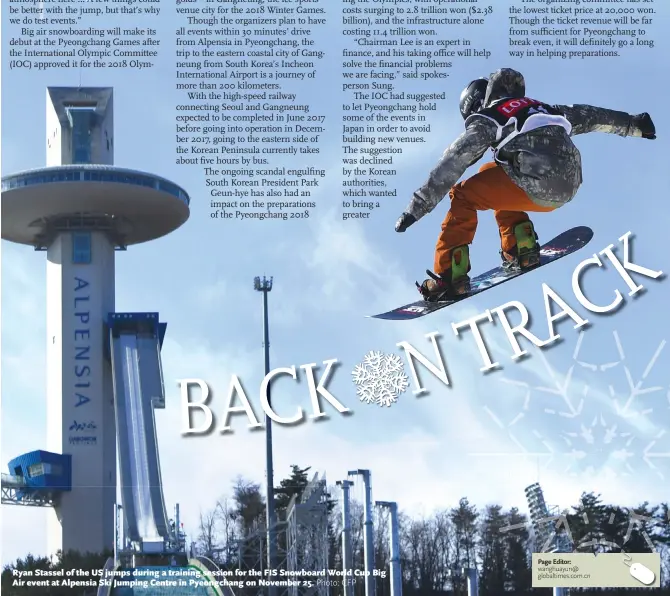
x=335 y=297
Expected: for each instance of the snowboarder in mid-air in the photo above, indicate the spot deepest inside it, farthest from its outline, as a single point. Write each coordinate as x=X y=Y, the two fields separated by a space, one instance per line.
x=536 y=168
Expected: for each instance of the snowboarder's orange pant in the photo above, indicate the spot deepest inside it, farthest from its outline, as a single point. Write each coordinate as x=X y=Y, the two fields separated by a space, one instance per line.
x=490 y=188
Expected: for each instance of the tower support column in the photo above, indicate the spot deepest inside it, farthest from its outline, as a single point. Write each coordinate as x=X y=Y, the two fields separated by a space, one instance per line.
x=80 y=400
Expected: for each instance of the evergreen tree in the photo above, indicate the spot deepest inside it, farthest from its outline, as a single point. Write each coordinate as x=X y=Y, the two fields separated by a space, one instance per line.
x=290 y=487
x=464 y=523
x=517 y=542
x=587 y=524
x=492 y=555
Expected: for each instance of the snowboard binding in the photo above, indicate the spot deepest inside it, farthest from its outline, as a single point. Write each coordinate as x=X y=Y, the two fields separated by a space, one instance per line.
x=526 y=254
x=455 y=282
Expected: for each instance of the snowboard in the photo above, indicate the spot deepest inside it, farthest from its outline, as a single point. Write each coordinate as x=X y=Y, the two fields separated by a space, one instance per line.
x=564 y=244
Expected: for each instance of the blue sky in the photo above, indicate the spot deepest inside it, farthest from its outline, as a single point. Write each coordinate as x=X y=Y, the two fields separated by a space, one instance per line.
x=485 y=437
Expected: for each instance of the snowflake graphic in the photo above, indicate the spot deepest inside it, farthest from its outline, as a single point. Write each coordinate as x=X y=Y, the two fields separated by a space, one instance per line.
x=596 y=417
x=380 y=378
x=600 y=443
x=635 y=522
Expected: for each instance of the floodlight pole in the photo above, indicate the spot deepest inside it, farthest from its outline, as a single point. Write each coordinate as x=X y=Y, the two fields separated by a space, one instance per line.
x=396 y=572
x=473 y=582
x=347 y=563
x=368 y=539
x=265 y=285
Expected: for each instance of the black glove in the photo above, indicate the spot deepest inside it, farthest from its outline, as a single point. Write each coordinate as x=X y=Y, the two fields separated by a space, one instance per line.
x=404 y=222
x=645 y=125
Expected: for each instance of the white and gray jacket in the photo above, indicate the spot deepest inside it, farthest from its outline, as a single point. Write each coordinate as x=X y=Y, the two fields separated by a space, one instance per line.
x=531 y=141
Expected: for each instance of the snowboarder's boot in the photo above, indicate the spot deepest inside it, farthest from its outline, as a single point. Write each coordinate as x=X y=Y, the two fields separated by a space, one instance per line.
x=526 y=254
x=451 y=284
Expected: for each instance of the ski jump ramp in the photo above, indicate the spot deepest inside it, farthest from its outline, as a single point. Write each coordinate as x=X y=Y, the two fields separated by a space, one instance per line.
x=135 y=344
x=135 y=341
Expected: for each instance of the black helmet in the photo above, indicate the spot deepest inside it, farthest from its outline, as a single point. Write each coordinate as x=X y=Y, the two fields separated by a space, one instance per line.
x=472 y=98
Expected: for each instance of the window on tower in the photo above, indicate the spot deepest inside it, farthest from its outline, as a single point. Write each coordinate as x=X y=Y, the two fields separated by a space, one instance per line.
x=81 y=248
x=81 y=125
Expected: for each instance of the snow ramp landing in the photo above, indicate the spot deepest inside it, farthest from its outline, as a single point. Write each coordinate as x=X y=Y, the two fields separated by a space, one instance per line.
x=165 y=581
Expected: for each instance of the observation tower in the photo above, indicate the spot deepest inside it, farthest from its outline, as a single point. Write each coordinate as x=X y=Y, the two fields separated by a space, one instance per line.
x=80 y=209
